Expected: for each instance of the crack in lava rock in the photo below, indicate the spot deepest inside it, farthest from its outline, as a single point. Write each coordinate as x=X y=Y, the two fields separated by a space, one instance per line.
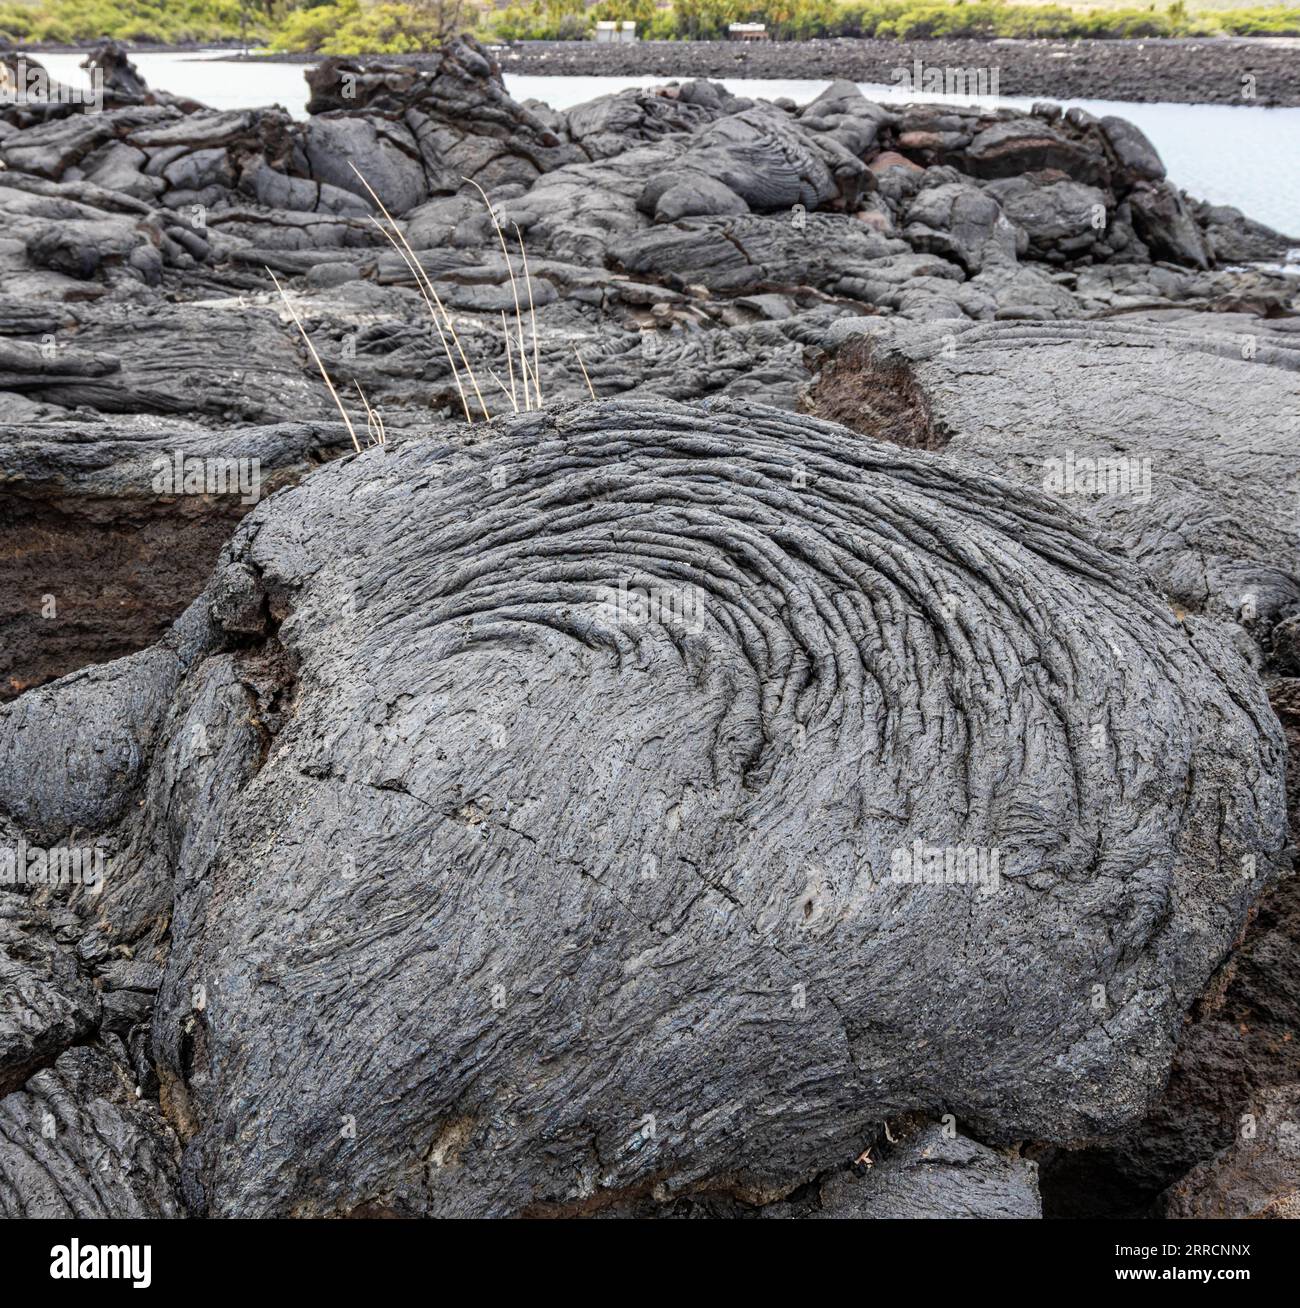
x=607 y=884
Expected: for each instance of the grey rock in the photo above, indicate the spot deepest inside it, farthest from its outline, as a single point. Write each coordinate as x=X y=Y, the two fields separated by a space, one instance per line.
x=76 y=1143
x=1136 y=155
x=1023 y=145
x=1059 y=217
x=198 y=169
x=1020 y=291
x=118 y=167
x=1234 y=238
x=933 y=1175
x=1164 y=291
x=205 y=130
x=607 y=126
x=463 y=121
x=577 y=211
x=324 y=275
x=49 y=1003
x=385 y=153
x=768 y=306
x=173 y=359
x=117 y=711
x=1164 y=222
x=958 y=221
x=745 y=252
x=277 y=190
x=766 y=160
x=844 y=111
x=52 y=147
x=1193 y=424
x=75 y=239
x=387 y=759
x=675 y=195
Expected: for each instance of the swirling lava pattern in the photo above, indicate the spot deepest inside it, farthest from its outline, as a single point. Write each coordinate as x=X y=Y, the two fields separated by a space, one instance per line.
x=580 y=847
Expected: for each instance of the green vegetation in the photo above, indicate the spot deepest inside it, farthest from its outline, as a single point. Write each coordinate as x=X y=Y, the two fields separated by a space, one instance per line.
x=66 y=22
x=350 y=27
x=377 y=26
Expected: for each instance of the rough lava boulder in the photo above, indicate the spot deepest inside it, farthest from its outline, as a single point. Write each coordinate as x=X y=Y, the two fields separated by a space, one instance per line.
x=523 y=816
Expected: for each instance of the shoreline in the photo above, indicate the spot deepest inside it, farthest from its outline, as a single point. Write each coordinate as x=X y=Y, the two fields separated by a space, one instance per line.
x=1178 y=71
x=1251 y=71
x=1259 y=71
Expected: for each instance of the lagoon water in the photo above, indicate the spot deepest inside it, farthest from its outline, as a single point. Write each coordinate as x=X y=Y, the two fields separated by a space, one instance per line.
x=1229 y=154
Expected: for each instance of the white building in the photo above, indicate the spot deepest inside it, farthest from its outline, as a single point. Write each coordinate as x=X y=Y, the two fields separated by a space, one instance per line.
x=607 y=30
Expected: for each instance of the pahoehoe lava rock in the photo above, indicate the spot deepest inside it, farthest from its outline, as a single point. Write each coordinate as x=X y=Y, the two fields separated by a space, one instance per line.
x=438 y=885
x=1200 y=413
x=935 y=1175
x=490 y=897
x=77 y=1142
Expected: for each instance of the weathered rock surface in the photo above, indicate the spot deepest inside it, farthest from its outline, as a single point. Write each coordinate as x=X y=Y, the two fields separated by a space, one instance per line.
x=960 y=222
x=1258 y=1176
x=439 y=888
x=1236 y=1068
x=1215 y=523
x=76 y=1142
x=49 y=1004
x=822 y=602
x=115 y=545
x=937 y=1176
x=457 y=116
x=1137 y=424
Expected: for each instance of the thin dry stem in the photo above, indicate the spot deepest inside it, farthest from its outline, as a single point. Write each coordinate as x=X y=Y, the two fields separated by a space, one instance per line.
x=514 y=286
x=374 y=421
x=501 y=386
x=338 y=404
x=510 y=364
x=585 y=378
x=527 y=368
x=427 y=289
x=433 y=314
x=532 y=313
